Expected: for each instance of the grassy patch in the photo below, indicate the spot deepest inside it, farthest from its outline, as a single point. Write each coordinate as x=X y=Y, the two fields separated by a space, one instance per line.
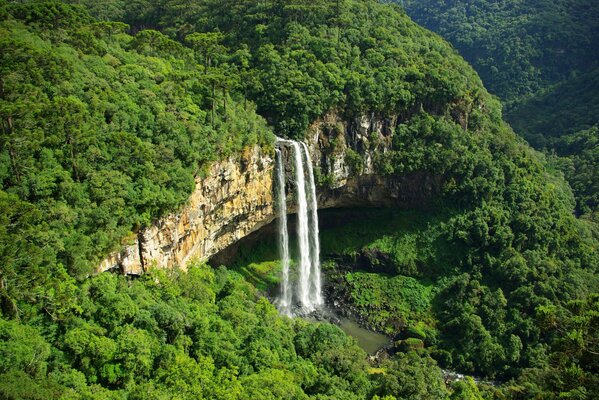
x=390 y=302
x=264 y=276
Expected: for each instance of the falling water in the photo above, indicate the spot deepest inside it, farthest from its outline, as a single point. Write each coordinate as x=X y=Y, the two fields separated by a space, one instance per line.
x=285 y=301
x=309 y=294
x=303 y=227
x=314 y=237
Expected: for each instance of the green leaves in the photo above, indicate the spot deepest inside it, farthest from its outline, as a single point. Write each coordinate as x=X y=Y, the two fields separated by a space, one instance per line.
x=153 y=43
x=22 y=347
x=158 y=335
x=540 y=57
x=388 y=303
x=103 y=133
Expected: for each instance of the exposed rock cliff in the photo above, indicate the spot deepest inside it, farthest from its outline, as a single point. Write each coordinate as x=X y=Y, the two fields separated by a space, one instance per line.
x=348 y=158
x=236 y=197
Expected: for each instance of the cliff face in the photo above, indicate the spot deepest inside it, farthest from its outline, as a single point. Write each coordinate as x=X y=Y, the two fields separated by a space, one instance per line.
x=349 y=158
x=236 y=197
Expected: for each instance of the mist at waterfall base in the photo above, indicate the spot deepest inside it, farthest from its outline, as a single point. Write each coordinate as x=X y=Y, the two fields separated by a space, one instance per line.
x=306 y=296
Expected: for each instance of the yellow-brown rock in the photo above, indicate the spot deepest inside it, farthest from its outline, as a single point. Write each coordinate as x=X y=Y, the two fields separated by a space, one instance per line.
x=231 y=201
x=235 y=198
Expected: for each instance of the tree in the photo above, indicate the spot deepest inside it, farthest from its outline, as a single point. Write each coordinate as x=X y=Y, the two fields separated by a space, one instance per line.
x=208 y=45
x=68 y=118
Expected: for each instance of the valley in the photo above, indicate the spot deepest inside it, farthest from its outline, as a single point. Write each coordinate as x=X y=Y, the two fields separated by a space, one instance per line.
x=265 y=200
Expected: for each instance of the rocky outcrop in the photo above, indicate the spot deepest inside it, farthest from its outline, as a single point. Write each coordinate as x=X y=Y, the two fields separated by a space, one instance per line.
x=349 y=159
x=235 y=197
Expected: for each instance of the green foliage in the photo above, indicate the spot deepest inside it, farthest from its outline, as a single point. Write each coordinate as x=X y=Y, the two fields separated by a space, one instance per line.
x=571 y=371
x=301 y=60
x=388 y=302
x=412 y=376
x=101 y=133
x=22 y=348
x=578 y=159
x=541 y=58
x=262 y=275
x=517 y=47
x=201 y=334
x=473 y=286
x=563 y=121
x=410 y=344
x=466 y=389
x=354 y=161
x=351 y=230
x=566 y=108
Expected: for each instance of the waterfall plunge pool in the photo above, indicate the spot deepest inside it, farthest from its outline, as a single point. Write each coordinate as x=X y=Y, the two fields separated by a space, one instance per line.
x=369 y=341
x=256 y=256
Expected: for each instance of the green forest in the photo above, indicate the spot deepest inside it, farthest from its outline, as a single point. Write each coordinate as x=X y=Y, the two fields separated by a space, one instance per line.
x=541 y=57
x=110 y=109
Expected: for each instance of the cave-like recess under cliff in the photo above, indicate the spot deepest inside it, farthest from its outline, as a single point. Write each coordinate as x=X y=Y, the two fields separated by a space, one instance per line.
x=236 y=197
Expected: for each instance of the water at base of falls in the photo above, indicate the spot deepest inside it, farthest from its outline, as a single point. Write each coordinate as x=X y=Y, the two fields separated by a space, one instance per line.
x=308 y=292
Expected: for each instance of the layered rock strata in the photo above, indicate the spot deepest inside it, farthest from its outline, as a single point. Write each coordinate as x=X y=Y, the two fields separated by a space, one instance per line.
x=234 y=199
x=236 y=196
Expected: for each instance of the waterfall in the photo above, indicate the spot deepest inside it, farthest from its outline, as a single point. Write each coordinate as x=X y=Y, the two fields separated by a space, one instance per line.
x=309 y=292
x=303 y=227
x=314 y=237
x=285 y=300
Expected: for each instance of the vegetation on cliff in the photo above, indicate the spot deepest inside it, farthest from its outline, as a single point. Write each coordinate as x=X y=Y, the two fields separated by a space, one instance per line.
x=103 y=131
x=541 y=58
x=300 y=59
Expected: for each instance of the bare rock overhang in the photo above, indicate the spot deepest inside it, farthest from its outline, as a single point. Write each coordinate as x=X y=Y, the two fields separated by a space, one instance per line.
x=235 y=198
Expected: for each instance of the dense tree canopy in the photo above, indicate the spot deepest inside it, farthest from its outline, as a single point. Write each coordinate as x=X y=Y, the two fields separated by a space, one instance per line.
x=518 y=47
x=203 y=334
x=106 y=121
x=541 y=58
x=102 y=132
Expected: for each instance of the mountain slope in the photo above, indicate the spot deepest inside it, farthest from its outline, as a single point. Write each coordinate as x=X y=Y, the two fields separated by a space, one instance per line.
x=103 y=131
x=517 y=47
x=540 y=57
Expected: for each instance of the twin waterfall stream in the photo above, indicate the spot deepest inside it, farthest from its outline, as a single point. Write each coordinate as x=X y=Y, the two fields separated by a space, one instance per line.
x=307 y=296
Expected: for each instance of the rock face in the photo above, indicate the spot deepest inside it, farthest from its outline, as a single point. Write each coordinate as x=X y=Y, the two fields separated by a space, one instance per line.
x=234 y=199
x=349 y=158
x=236 y=196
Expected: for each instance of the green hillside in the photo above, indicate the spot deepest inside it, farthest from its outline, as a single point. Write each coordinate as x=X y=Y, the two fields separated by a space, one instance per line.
x=540 y=57
x=109 y=114
x=517 y=47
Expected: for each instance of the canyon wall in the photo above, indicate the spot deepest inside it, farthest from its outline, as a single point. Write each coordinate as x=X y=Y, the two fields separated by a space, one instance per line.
x=236 y=196
x=349 y=159
x=234 y=199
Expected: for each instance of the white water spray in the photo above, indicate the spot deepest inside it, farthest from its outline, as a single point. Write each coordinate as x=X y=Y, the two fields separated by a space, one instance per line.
x=285 y=300
x=309 y=292
x=303 y=227
x=314 y=237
